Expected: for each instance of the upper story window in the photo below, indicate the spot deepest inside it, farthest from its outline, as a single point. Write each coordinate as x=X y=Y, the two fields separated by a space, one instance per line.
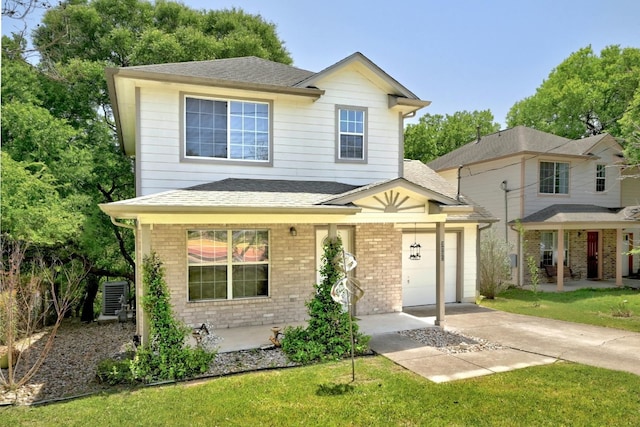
x=554 y=178
x=226 y=129
x=351 y=144
x=227 y=264
x=600 y=178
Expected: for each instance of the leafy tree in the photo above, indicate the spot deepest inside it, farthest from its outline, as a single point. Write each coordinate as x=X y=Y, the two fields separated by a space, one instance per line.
x=137 y=32
x=585 y=95
x=435 y=135
x=56 y=118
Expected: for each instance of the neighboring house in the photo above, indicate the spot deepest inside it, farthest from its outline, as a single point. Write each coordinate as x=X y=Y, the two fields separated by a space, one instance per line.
x=244 y=166
x=546 y=186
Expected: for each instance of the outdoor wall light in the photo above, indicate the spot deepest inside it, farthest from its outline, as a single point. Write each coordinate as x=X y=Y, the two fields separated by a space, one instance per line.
x=293 y=231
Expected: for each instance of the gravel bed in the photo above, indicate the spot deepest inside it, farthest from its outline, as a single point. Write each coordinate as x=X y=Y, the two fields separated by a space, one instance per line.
x=70 y=368
x=449 y=342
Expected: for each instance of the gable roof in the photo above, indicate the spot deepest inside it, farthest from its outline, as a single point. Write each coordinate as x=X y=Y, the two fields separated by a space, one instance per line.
x=517 y=140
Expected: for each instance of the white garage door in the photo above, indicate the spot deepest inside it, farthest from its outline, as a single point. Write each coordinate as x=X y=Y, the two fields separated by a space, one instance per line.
x=419 y=276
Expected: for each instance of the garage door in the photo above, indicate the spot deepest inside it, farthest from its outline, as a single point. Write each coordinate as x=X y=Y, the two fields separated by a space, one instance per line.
x=419 y=276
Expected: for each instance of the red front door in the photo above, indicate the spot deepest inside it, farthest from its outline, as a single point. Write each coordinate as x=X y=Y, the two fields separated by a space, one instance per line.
x=592 y=255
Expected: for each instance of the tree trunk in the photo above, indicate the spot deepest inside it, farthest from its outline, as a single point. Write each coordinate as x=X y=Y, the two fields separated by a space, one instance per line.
x=93 y=284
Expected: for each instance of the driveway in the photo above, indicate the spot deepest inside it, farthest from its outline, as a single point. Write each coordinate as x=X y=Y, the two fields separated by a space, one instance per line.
x=591 y=345
x=527 y=341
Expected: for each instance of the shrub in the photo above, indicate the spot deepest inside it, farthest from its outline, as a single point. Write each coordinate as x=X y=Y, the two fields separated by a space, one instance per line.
x=112 y=372
x=165 y=356
x=494 y=266
x=327 y=335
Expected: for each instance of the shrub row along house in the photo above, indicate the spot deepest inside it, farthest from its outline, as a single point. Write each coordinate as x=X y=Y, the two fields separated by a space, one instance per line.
x=571 y=203
x=244 y=167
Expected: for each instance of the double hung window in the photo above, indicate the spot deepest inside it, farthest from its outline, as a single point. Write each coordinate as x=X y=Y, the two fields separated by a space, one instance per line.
x=226 y=129
x=600 y=178
x=554 y=178
x=351 y=134
x=227 y=264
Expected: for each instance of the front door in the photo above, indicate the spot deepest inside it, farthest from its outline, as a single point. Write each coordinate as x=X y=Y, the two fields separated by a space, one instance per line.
x=592 y=255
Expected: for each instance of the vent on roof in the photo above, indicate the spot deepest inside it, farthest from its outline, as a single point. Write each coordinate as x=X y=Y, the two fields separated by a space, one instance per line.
x=111 y=294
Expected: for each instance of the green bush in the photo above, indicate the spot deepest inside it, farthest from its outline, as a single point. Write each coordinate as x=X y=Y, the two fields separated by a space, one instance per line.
x=327 y=335
x=112 y=372
x=495 y=265
x=165 y=356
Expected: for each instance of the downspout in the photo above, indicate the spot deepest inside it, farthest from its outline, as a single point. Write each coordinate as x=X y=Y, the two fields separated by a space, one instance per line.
x=458 y=195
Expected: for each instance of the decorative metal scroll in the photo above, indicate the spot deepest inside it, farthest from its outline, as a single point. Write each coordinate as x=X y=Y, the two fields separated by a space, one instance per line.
x=347 y=290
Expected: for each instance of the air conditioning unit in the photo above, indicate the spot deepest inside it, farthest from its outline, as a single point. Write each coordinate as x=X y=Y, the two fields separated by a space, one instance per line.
x=111 y=294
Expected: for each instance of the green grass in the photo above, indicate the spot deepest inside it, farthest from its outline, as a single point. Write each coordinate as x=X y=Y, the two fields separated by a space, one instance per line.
x=590 y=306
x=384 y=394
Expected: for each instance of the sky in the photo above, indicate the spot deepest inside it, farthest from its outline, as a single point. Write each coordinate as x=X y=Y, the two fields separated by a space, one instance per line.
x=463 y=55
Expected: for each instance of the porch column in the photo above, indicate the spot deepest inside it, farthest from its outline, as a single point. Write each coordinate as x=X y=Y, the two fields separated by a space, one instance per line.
x=440 y=273
x=560 y=269
x=619 y=257
x=143 y=249
x=333 y=232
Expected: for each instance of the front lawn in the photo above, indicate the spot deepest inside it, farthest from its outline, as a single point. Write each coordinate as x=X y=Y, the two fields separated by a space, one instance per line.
x=383 y=394
x=590 y=306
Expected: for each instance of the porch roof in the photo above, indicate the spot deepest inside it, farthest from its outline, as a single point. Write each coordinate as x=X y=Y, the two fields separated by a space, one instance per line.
x=583 y=215
x=233 y=195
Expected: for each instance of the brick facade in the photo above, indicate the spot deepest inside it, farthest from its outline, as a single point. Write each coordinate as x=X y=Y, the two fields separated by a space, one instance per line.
x=292 y=275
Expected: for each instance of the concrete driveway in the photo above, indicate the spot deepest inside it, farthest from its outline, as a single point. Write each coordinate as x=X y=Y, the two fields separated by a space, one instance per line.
x=591 y=345
x=529 y=341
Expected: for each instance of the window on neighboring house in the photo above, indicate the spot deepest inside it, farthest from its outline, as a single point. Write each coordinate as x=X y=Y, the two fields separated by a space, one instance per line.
x=554 y=178
x=351 y=134
x=600 y=178
x=226 y=129
x=549 y=248
x=228 y=264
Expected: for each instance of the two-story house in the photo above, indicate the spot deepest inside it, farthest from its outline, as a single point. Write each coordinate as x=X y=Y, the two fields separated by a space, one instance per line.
x=245 y=166
x=560 y=201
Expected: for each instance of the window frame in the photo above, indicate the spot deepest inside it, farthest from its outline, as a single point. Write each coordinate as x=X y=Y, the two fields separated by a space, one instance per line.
x=228 y=263
x=339 y=133
x=557 y=179
x=553 y=251
x=601 y=178
x=221 y=160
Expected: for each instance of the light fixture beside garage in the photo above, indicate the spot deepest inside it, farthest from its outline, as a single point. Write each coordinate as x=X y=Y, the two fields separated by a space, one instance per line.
x=414 y=248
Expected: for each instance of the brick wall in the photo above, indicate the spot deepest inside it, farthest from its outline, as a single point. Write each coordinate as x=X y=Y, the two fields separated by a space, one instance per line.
x=292 y=275
x=379 y=255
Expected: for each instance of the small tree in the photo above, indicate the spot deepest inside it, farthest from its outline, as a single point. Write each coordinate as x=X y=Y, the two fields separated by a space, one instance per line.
x=165 y=356
x=494 y=265
x=327 y=335
x=29 y=294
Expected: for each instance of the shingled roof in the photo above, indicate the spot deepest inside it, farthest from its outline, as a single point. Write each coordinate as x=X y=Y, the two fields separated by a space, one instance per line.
x=275 y=195
x=517 y=140
x=249 y=69
x=571 y=213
